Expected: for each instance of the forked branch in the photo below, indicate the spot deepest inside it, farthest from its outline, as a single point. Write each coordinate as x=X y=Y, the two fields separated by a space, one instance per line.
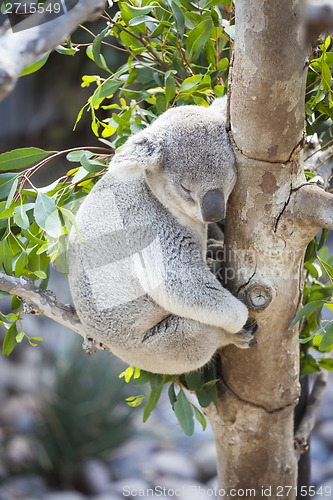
x=36 y=35
x=41 y=302
x=313 y=207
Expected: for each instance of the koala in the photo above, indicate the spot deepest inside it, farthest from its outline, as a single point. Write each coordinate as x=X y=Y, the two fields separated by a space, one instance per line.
x=139 y=280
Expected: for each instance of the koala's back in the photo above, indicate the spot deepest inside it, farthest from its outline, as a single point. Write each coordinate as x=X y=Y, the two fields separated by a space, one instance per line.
x=126 y=232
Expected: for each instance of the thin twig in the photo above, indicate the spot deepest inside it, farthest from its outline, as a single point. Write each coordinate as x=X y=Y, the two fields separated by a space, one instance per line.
x=302 y=435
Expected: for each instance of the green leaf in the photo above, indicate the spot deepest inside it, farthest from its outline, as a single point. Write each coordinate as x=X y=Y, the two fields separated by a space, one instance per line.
x=46 y=215
x=40 y=274
x=328 y=269
x=143 y=379
x=135 y=401
x=4 y=294
x=194 y=380
x=129 y=40
x=6 y=256
x=177 y=12
x=322 y=240
x=205 y=397
x=10 y=340
x=172 y=394
x=21 y=218
x=210 y=384
x=309 y=308
x=200 y=417
x=155 y=380
x=20 y=337
x=190 y=82
x=96 y=49
x=21 y=263
x=108 y=88
x=170 y=88
x=152 y=402
x=36 y=65
x=327 y=339
x=21 y=158
x=141 y=19
x=325 y=75
x=6 y=183
x=223 y=64
x=309 y=365
x=184 y=413
x=127 y=374
x=327 y=364
x=5 y=212
x=75 y=156
x=72 y=218
x=307 y=339
x=11 y=193
x=92 y=166
x=139 y=11
x=199 y=36
x=66 y=51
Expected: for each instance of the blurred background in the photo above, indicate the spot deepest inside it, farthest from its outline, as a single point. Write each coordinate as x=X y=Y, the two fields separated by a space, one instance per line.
x=66 y=432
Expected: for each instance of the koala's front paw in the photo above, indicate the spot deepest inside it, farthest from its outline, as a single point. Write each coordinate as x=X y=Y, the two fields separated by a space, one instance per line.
x=244 y=338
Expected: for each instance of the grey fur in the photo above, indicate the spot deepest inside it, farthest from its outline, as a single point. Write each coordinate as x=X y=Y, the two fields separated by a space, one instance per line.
x=140 y=282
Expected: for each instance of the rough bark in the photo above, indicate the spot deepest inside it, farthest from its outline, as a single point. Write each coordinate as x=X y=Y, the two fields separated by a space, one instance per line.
x=37 y=301
x=20 y=48
x=272 y=215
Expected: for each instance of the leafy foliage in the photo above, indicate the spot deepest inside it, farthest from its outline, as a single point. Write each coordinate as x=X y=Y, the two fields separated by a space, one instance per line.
x=201 y=382
x=176 y=52
x=316 y=333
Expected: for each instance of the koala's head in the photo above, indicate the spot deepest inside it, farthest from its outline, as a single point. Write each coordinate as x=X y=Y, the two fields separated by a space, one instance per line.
x=187 y=159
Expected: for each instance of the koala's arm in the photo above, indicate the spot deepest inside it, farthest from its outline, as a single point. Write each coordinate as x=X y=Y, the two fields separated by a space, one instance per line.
x=191 y=291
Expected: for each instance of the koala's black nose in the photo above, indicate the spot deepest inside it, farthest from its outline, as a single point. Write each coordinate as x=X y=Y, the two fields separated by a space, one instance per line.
x=213 y=206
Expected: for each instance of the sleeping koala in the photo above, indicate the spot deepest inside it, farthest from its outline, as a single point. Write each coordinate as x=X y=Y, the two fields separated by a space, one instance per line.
x=139 y=281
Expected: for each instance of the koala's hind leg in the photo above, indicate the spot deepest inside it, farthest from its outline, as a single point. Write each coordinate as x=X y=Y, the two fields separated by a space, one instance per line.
x=181 y=345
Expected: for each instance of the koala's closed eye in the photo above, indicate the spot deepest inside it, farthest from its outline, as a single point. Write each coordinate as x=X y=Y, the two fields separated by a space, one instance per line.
x=140 y=282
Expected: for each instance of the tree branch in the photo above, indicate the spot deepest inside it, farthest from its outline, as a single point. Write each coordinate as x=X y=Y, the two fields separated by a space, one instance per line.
x=302 y=435
x=38 y=34
x=42 y=302
x=313 y=206
x=319 y=18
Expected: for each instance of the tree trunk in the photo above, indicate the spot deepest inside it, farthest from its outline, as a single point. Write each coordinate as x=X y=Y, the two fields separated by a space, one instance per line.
x=269 y=225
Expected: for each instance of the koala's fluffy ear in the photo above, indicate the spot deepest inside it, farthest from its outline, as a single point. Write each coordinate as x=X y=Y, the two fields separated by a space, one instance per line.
x=143 y=151
x=220 y=106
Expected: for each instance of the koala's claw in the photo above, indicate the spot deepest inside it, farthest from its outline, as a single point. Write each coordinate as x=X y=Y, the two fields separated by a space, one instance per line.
x=245 y=336
x=251 y=326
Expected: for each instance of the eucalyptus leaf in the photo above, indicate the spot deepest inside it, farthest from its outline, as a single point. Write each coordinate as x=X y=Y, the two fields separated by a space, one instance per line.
x=6 y=183
x=10 y=340
x=199 y=36
x=21 y=218
x=184 y=413
x=152 y=402
x=327 y=340
x=32 y=68
x=21 y=158
x=309 y=308
x=46 y=215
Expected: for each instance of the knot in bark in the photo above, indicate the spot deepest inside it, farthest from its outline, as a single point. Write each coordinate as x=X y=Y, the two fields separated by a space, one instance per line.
x=258 y=295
